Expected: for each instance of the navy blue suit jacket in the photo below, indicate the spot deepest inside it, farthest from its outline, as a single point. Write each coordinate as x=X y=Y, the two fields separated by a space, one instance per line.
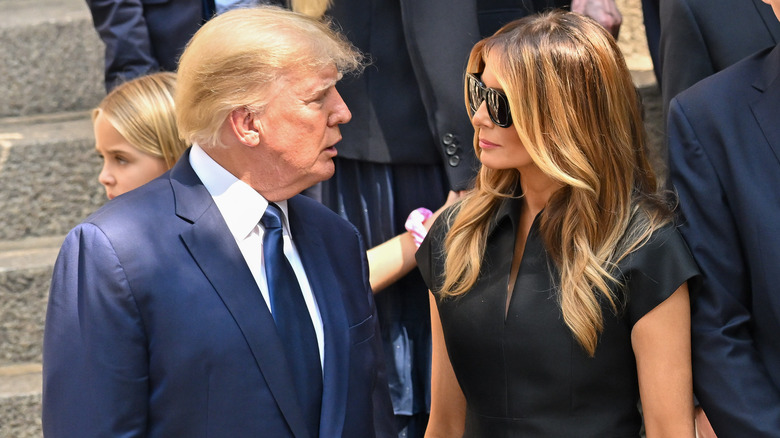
x=724 y=144
x=156 y=327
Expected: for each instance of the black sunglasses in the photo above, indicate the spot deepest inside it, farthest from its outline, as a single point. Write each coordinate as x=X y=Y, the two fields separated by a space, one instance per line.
x=497 y=103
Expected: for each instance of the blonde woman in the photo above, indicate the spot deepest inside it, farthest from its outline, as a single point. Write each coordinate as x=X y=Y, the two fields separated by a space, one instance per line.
x=135 y=133
x=559 y=286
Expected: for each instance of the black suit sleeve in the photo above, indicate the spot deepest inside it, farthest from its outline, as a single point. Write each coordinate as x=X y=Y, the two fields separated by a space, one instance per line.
x=730 y=378
x=440 y=65
x=684 y=55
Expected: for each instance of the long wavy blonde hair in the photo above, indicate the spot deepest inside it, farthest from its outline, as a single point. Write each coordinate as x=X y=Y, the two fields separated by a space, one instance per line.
x=577 y=113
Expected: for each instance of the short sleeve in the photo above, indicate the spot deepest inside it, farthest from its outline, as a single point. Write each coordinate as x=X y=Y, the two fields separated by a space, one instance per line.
x=430 y=255
x=655 y=271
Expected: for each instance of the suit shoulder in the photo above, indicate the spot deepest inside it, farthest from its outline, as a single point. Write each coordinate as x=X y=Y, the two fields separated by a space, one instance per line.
x=733 y=83
x=141 y=206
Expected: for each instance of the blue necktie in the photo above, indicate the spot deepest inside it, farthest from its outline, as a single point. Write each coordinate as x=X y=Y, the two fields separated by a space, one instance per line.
x=293 y=321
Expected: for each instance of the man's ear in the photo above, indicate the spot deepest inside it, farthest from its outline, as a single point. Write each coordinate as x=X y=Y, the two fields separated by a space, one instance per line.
x=243 y=124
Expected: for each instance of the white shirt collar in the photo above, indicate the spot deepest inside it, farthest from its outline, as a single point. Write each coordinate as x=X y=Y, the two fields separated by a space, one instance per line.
x=240 y=204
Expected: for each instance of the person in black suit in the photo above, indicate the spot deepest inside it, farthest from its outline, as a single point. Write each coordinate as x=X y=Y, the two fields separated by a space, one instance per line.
x=652 y=21
x=214 y=300
x=724 y=146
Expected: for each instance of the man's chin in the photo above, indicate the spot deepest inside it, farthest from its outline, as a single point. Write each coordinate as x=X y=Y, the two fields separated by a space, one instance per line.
x=323 y=170
x=327 y=170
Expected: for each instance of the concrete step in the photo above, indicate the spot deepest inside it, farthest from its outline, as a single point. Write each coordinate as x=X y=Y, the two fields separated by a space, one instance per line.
x=25 y=275
x=48 y=174
x=51 y=58
x=20 y=401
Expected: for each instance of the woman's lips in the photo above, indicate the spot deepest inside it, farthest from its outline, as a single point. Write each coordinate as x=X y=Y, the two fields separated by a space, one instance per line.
x=484 y=144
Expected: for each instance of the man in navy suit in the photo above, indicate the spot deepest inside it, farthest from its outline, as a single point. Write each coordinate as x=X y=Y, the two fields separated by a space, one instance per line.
x=159 y=320
x=724 y=144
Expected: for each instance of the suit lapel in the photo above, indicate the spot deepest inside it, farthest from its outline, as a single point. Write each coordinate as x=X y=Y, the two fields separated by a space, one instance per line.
x=215 y=251
x=769 y=19
x=765 y=108
x=327 y=292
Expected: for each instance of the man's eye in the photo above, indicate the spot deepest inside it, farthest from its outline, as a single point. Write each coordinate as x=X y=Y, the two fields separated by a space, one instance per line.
x=319 y=97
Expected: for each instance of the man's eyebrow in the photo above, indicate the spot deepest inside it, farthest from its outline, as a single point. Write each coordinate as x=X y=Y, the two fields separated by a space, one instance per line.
x=334 y=81
x=339 y=77
x=325 y=86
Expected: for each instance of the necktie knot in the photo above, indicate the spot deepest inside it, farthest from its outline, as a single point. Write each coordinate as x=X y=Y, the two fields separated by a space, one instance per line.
x=272 y=218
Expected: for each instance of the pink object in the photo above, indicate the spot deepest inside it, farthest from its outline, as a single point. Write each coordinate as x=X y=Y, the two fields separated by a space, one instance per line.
x=414 y=224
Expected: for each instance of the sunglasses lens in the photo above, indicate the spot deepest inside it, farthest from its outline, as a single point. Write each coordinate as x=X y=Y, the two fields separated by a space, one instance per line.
x=497 y=105
x=498 y=108
x=476 y=93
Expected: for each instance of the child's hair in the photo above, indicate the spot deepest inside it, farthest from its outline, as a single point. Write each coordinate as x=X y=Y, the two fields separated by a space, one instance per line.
x=142 y=110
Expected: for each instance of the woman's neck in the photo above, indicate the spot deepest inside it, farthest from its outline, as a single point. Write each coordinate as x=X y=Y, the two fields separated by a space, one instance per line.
x=537 y=189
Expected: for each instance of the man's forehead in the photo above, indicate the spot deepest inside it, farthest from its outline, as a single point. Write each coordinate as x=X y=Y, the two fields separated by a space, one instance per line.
x=312 y=80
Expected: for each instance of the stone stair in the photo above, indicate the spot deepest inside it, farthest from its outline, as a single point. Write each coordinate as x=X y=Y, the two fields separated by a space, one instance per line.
x=51 y=69
x=20 y=400
x=51 y=58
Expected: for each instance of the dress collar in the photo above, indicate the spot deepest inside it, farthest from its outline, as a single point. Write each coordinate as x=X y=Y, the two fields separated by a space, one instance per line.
x=508 y=209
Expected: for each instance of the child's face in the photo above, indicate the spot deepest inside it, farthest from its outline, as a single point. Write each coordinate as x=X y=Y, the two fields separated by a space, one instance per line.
x=125 y=167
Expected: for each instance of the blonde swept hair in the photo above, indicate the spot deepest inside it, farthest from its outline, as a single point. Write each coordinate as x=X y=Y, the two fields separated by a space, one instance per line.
x=237 y=58
x=577 y=113
x=142 y=111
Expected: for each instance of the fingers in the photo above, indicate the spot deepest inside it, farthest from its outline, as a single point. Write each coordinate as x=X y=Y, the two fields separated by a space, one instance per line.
x=605 y=12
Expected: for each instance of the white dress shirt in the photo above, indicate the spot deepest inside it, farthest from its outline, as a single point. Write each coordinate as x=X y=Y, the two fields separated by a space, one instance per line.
x=242 y=207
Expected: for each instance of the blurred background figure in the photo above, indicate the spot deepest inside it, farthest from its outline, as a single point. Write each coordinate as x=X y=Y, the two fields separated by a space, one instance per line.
x=145 y=36
x=702 y=37
x=652 y=21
